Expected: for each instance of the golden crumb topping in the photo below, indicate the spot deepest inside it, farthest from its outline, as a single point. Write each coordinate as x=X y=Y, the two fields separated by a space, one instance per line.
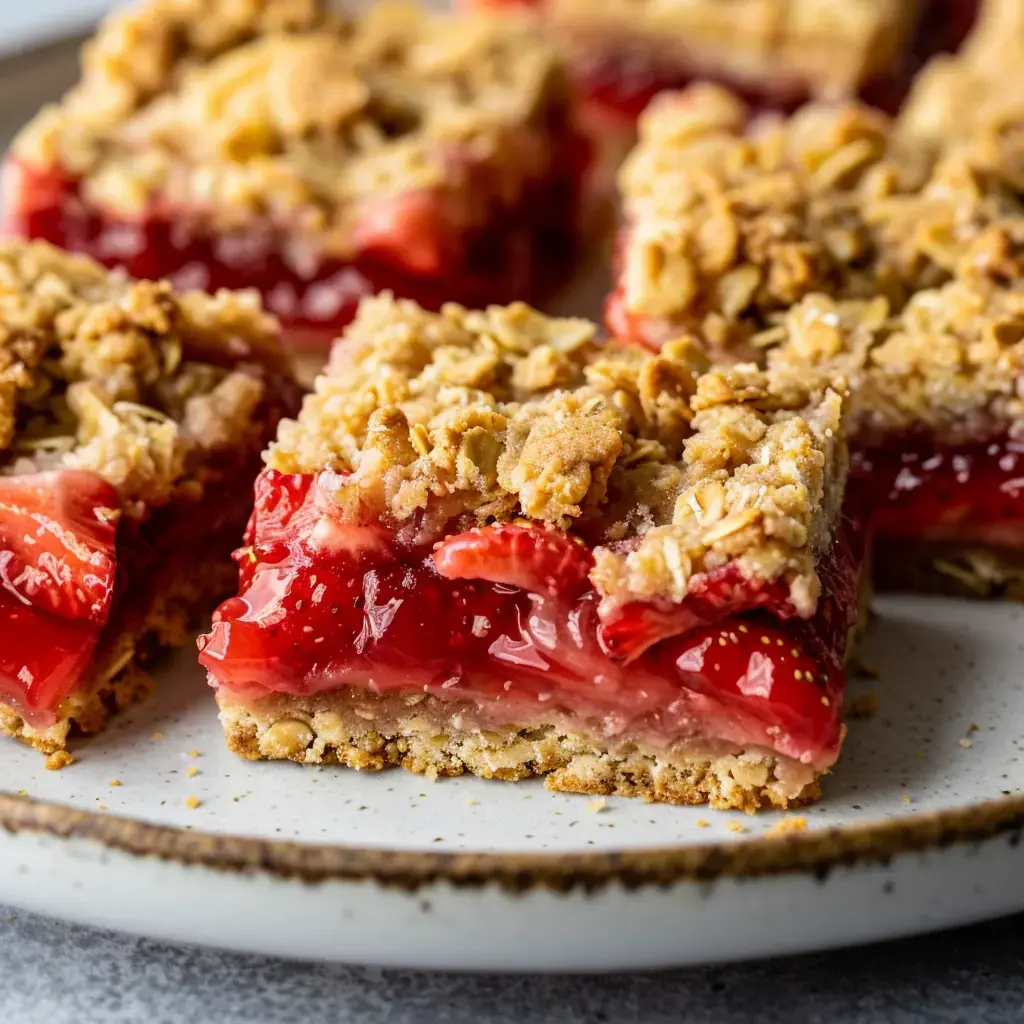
x=831 y=48
x=725 y=226
x=951 y=362
x=729 y=224
x=956 y=94
x=466 y=417
x=286 y=110
x=124 y=378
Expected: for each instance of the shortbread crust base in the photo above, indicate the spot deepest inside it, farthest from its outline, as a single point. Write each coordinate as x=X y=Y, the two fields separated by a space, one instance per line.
x=949 y=569
x=432 y=737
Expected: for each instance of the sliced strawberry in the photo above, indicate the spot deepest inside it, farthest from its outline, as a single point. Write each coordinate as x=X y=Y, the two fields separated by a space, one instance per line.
x=534 y=558
x=41 y=656
x=628 y=630
x=780 y=675
x=277 y=497
x=639 y=625
x=409 y=229
x=57 y=533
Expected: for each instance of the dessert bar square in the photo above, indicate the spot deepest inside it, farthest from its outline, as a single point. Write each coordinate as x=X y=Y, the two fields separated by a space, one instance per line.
x=316 y=157
x=131 y=421
x=777 y=53
x=491 y=542
x=728 y=221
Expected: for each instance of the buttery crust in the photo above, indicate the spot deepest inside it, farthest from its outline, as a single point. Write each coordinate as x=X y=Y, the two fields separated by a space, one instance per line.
x=288 y=111
x=728 y=223
x=827 y=48
x=669 y=470
x=432 y=737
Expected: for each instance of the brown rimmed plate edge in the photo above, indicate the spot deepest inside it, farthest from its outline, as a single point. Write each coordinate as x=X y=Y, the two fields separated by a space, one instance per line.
x=817 y=851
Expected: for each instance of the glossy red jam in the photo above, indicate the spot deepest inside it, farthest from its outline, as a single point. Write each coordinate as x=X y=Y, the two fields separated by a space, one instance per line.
x=58 y=567
x=407 y=247
x=969 y=493
x=326 y=604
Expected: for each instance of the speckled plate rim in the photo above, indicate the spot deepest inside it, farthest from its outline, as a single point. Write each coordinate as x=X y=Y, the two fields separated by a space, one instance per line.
x=817 y=852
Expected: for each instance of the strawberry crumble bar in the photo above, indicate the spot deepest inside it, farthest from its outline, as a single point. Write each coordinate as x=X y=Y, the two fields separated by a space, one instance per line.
x=316 y=157
x=131 y=421
x=778 y=53
x=491 y=542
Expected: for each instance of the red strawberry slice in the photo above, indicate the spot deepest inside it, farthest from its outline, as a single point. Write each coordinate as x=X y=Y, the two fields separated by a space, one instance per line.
x=57 y=542
x=407 y=229
x=41 y=656
x=767 y=671
x=539 y=559
x=639 y=625
x=629 y=630
x=277 y=497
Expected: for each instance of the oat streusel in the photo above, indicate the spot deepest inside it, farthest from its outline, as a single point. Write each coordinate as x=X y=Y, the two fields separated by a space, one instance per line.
x=814 y=46
x=125 y=378
x=951 y=362
x=727 y=224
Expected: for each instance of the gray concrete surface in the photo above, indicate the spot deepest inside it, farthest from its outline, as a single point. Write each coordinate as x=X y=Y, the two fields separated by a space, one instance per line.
x=52 y=973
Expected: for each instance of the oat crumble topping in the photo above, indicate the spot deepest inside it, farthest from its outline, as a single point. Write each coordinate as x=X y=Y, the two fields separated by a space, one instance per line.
x=951 y=362
x=125 y=378
x=729 y=224
x=289 y=111
x=466 y=417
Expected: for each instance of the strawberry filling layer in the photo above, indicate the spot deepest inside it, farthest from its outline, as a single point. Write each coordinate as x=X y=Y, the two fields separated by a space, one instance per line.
x=964 y=494
x=58 y=567
x=76 y=575
x=505 y=616
x=409 y=245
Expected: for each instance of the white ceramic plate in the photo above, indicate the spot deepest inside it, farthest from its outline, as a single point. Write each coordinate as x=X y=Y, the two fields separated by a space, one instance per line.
x=916 y=831
x=919 y=827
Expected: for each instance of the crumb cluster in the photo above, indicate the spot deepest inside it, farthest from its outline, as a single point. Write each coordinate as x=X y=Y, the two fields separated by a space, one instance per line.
x=953 y=94
x=463 y=416
x=950 y=362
